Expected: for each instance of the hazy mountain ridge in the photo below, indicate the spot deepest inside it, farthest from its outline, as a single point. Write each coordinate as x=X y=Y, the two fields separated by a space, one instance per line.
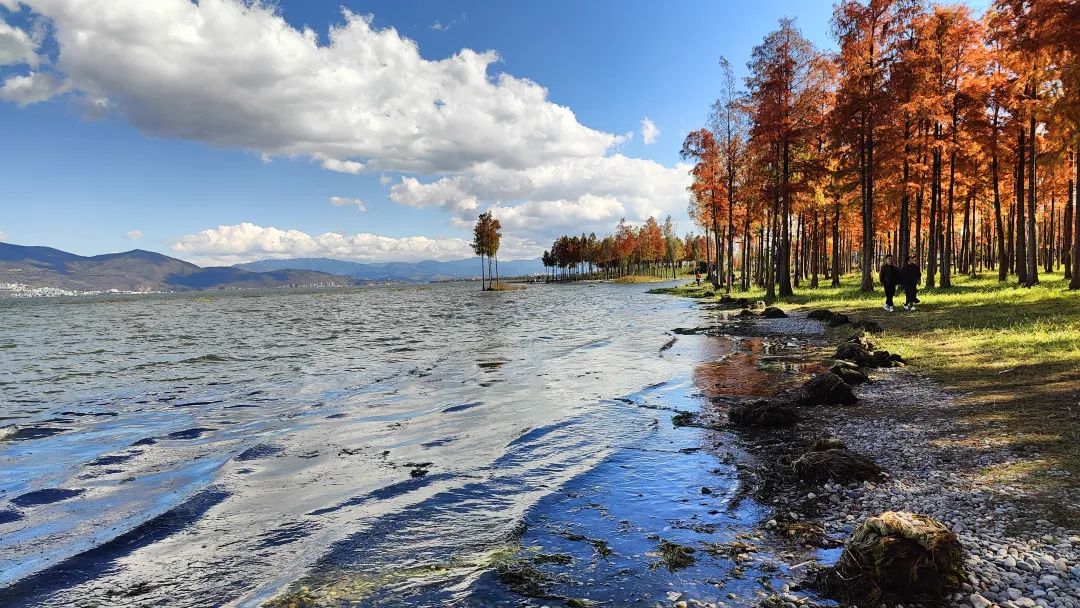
x=425 y=271
x=138 y=270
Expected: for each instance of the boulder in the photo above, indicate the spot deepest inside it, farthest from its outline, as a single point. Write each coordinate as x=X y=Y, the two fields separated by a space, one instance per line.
x=763 y=414
x=746 y=312
x=773 y=312
x=820 y=314
x=849 y=373
x=830 y=459
x=898 y=556
x=825 y=389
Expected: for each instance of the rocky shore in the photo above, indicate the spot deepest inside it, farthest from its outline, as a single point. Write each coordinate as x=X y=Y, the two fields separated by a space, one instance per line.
x=1014 y=555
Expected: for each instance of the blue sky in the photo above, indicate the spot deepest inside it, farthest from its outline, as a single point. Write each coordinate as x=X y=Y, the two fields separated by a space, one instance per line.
x=127 y=121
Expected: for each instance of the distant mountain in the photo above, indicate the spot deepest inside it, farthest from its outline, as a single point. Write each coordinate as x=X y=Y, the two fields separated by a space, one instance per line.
x=426 y=271
x=137 y=270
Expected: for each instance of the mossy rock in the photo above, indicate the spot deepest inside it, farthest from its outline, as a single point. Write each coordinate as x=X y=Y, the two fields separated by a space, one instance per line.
x=898 y=557
x=763 y=414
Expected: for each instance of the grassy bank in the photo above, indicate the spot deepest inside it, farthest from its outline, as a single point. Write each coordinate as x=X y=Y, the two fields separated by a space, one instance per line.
x=642 y=278
x=1011 y=354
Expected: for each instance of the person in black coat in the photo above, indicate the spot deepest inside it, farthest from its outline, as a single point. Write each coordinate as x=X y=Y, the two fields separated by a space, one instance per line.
x=890 y=279
x=910 y=277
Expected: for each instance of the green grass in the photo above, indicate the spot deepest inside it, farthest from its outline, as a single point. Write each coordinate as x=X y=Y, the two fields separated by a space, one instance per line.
x=642 y=278
x=1011 y=354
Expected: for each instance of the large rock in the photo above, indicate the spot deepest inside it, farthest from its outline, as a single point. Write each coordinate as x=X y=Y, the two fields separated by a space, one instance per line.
x=825 y=389
x=830 y=459
x=763 y=414
x=898 y=556
x=773 y=312
x=820 y=314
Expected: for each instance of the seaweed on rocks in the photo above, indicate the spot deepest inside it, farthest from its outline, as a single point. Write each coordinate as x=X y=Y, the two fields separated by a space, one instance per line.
x=897 y=557
x=763 y=413
x=861 y=352
x=825 y=461
x=826 y=389
x=773 y=312
x=849 y=373
x=673 y=556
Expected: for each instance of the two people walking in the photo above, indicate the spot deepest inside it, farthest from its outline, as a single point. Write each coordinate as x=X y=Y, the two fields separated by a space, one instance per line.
x=907 y=277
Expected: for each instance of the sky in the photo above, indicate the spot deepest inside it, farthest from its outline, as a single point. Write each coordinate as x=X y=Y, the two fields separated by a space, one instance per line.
x=224 y=131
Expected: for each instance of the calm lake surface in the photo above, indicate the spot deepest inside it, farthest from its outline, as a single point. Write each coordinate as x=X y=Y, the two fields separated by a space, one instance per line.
x=386 y=443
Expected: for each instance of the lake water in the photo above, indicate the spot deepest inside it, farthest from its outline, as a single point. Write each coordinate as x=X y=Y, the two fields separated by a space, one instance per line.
x=382 y=445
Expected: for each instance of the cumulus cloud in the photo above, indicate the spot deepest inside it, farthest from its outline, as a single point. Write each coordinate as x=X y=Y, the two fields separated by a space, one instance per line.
x=226 y=245
x=16 y=46
x=3 y=235
x=593 y=193
x=236 y=74
x=340 y=201
x=649 y=131
x=134 y=235
x=32 y=88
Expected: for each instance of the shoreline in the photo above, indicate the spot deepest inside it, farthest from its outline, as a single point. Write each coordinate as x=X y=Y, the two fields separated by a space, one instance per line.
x=1014 y=555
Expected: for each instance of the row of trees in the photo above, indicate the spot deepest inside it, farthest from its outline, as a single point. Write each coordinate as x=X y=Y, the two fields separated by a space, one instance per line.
x=931 y=132
x=651 y=248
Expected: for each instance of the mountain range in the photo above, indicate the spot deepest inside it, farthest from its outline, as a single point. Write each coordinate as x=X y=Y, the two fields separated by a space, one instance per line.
x=37 y=268
x=425 y=271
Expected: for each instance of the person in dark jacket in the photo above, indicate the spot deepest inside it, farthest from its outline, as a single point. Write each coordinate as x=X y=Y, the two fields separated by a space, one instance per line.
x=890 y=279
x=910 y=277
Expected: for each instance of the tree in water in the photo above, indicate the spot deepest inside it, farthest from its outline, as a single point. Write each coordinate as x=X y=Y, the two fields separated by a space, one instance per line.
x=486 y=237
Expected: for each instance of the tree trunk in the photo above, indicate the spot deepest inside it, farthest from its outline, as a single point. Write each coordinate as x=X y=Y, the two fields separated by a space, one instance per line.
x=1020 y=253
x=995 y=175
x=935 y=202
x=1074 y=283
x=1067 y=232
x=1032 y=239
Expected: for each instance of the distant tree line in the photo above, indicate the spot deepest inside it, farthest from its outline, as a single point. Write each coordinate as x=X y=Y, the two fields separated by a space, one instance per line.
x=650 y=249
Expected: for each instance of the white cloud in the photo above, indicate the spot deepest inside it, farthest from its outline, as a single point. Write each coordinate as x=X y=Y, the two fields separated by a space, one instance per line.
x=3 y=235
x=16 y=46
x=134 y=235
x=649 y=131
x=591 y=193
x=248 y=242
x=439 y=26
x=236 y=74
x=32 y=88
x=340 y=201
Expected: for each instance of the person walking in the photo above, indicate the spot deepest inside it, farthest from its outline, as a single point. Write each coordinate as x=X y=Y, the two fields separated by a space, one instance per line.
x=910 y=277
x=890 y=278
